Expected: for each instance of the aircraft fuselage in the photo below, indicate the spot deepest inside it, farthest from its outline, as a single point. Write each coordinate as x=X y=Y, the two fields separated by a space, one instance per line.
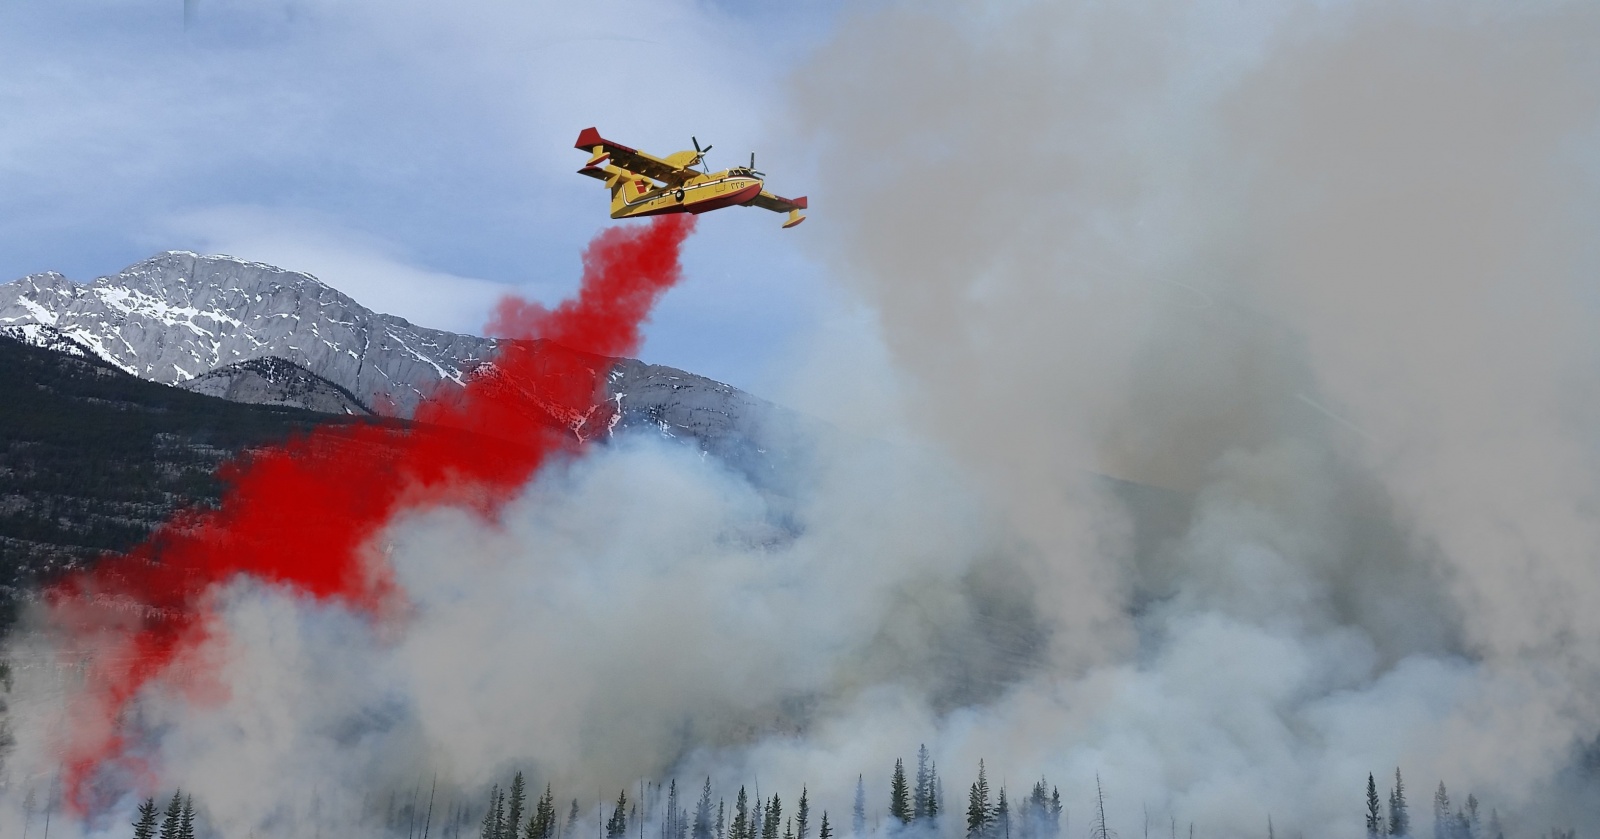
x=701 y=194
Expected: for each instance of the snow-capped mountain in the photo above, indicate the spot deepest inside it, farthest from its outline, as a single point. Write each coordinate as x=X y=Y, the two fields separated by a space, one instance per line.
x=255 y=333
x=179 y=315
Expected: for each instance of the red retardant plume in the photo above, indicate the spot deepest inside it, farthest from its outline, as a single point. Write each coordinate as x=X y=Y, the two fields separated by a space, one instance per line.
x=302 y=516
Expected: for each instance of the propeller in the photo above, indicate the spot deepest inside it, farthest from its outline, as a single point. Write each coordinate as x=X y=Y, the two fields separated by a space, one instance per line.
x=700 y=153
x=753 y=166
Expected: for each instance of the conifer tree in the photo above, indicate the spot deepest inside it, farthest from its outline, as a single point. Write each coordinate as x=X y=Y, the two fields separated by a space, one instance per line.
x=900 y=794
x=935 y=792
x=1399 y=812
x=173 y=817
x=1002 y=817
x=758 y=821
x=1496 y=831
x=802 y=816
x=1039 y=818
x=858 y=813
x=788 y=829
x=1374 y=813
x=1474 y=826
x=186 y=819
x=542 y=825
x=702 y=812
x=1055 y=812
x=722 y=822
x=824 y=831
x=144 y=827
x=1443 y=819
x=489 y=828
x=617 y=825
x=774 y=817
x=923 y=792
x=572 y=820
x=978 y=812
x=741 y=816
x=669 y=820
x=512 y=821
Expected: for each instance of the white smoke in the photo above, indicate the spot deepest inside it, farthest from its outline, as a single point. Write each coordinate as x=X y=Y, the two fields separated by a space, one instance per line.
x=1311 y=283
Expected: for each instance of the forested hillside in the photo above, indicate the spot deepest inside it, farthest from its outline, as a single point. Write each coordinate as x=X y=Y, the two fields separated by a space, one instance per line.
x=93 y=459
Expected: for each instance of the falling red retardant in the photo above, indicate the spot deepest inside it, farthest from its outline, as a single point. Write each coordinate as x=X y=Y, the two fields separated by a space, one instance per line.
x=303 y=516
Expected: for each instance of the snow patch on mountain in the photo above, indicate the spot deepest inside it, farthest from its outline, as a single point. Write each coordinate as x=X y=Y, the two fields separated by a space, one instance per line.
x=179 y=315
x=48 y=337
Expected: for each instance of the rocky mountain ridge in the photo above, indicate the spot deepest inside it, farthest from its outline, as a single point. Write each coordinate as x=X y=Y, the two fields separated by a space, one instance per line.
x=259 y=334
x=178 y=315
x=276 y=381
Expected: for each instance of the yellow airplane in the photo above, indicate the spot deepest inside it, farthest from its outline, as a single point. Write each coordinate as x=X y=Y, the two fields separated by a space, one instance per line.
x=645 y=185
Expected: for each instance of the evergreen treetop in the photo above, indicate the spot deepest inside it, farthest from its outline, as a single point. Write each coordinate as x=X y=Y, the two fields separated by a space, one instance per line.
x=144 y=826
x=702 y=812
x=1374 y=812
x=1399 y=813
x=978 y=813
x=171 y=820
x=1443 y=819
x=186 y=819
x=741 y=816
x=900 y=794
x=617 y=825
x=802 y=816
x=772 y=818
x=512 y=822
x=923 y=792
x=858 y=813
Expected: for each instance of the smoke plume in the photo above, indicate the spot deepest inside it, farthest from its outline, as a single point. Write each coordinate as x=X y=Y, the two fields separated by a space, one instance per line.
x=1322 y=270
x=301 y=518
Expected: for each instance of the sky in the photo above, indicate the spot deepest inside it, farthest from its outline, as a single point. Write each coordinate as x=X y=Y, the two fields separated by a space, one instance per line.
x=417 y=156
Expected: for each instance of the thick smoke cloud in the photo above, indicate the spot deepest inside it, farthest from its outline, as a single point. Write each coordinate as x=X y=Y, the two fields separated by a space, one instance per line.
x=1246 y=354
x=1321 y=267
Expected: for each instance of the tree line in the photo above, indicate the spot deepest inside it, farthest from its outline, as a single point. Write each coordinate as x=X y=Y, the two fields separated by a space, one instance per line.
x=1464 y=821
x=916 y=807
x=177 y=823
x=916 y=803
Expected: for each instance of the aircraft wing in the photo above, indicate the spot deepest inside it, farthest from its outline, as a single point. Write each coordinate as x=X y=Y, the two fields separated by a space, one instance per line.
x=628 y=158
x=776 y=203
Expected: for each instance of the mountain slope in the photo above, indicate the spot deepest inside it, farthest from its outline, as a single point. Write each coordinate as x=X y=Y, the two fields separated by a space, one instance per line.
x=93 y=459
x=178 y=315
x=275 y=381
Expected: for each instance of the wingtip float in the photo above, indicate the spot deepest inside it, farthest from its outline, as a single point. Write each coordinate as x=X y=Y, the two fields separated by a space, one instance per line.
x=642 y=184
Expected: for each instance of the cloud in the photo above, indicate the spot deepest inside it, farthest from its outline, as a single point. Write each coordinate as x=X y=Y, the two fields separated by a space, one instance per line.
x=372 y=271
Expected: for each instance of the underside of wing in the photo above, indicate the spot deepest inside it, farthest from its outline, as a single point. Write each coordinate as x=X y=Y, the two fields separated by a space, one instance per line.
x=626 y=157
x=777 y=203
